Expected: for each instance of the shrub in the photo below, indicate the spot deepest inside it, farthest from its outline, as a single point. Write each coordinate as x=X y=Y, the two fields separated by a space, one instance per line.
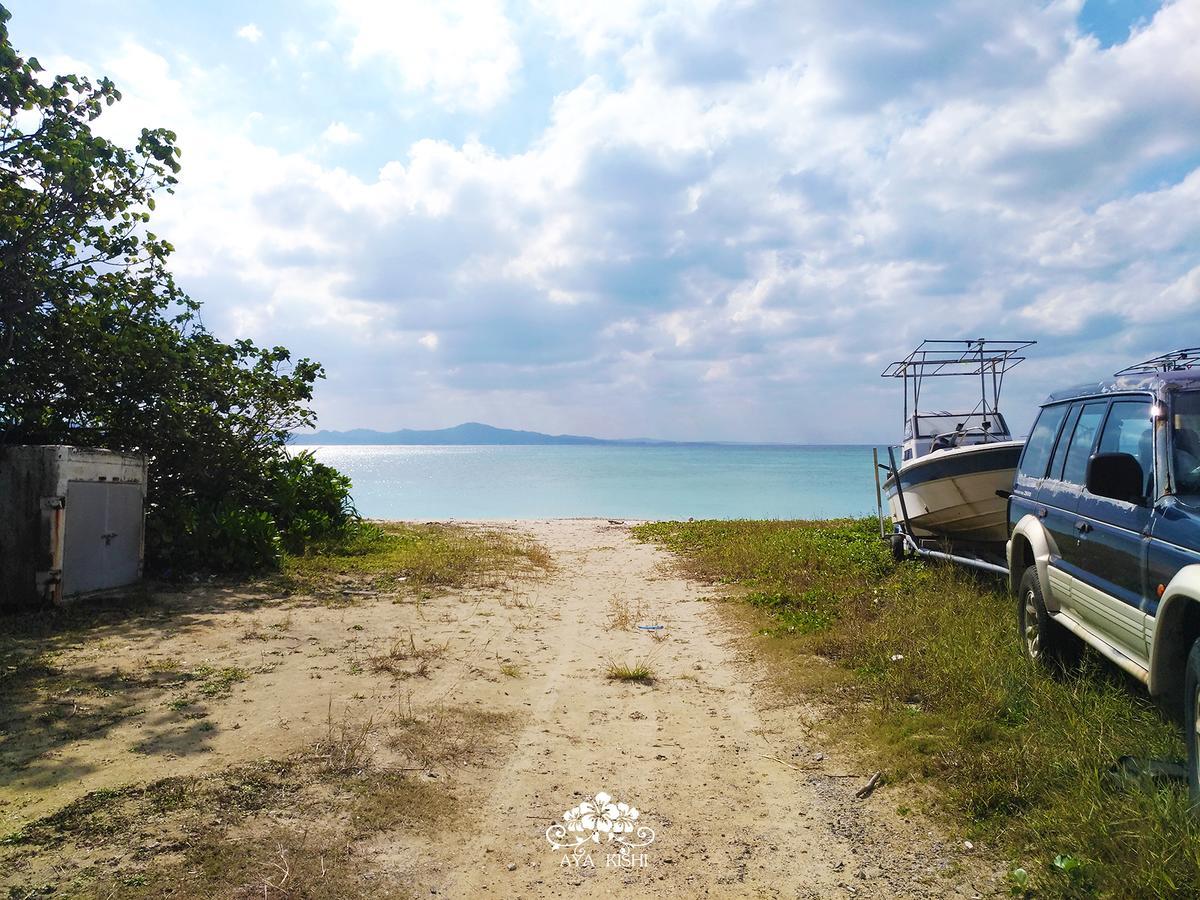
x=212 y=537
x=309 y=501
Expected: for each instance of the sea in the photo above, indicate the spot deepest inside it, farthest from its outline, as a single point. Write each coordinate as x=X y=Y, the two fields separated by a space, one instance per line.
x=701 y=481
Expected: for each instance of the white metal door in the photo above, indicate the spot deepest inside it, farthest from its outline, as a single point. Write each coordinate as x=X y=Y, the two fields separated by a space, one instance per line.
x=102 y=536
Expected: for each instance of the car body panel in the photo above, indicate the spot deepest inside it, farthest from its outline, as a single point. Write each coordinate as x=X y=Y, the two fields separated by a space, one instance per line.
x=1030 y=529
x=1183 y=590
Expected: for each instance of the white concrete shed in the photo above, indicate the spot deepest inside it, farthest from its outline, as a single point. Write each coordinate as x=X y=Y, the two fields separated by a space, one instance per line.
x=71 y=522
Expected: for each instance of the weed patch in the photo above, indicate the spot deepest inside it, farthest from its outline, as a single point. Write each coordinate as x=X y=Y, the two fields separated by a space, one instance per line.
x=404 y=659
x=638 y=672
x=397 y=556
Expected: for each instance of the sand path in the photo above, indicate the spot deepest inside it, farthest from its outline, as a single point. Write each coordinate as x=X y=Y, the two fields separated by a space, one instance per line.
x=692 y=751
x=520 y=723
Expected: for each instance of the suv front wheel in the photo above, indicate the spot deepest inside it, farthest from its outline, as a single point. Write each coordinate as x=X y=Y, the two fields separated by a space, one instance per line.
x=1044 y=640
x=1191 y=720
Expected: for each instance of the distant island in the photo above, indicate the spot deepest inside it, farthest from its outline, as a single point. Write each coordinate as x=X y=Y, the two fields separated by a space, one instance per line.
x=468 y=433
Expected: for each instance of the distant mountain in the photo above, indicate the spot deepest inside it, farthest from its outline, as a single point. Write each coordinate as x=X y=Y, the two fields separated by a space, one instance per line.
x=467 y=433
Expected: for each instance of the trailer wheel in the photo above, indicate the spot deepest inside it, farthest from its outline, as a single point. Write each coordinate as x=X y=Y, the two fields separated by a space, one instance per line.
x=1045 y=641
x=899 y=547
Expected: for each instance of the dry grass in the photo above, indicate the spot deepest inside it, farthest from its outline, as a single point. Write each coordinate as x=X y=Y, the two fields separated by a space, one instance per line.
x=622 y=614
x=276 y=829
x=396 y=658
x=254 y=632
x=346 y=747
x=934 y=685
x=445 y=736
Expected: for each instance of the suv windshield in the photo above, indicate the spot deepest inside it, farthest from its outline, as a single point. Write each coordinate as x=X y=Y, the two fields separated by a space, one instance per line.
x=1185 y=427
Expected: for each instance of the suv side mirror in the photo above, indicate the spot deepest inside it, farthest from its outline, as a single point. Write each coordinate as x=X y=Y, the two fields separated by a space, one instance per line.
x=1116 y=475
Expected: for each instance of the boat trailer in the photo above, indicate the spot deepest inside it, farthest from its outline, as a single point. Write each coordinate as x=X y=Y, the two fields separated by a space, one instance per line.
x=903 y=539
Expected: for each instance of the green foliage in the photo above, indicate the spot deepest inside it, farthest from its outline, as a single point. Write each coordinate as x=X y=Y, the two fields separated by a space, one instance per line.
x=98 y=346
x=214 y=536
x=1024 y=760
x=309 y=501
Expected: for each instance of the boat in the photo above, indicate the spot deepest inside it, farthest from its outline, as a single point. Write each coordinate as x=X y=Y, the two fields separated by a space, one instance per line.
x=955 y=469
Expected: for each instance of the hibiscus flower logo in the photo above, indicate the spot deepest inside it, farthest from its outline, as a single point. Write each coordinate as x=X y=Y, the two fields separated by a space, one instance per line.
x=598 y=820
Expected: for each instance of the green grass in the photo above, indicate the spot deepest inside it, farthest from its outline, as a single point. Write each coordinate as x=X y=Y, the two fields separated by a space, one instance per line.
x=941 y=692
x=395 y=555
x=638 y=672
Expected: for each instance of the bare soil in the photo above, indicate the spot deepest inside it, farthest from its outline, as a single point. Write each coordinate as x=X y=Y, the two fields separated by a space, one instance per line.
x=469 y=722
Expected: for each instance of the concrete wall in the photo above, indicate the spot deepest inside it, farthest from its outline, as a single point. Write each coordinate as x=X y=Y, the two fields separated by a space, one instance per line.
x=34 y=485
x=25 y=548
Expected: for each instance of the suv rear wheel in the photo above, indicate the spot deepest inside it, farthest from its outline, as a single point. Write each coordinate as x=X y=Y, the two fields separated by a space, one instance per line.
x=1045 y=641
x=1191 y=720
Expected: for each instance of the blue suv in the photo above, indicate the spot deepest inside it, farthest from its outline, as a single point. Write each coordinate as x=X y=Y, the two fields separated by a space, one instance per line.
x=1104 y=531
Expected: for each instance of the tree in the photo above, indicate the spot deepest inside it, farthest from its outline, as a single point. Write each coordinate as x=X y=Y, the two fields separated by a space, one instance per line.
x=99 y=347
x=72 y=204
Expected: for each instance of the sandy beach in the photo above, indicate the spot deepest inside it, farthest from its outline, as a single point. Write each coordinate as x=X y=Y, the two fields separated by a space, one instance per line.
x=495 y=702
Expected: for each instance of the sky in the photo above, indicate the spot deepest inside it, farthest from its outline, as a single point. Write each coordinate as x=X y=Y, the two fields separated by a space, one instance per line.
x=697 y=221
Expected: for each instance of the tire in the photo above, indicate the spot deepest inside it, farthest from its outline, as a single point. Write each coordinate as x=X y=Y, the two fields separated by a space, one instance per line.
x=899 y=548
x=1191 y=721
x=1045 y=641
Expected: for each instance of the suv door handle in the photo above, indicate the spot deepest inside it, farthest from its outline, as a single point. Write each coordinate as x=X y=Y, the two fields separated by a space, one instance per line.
x=1083 y=527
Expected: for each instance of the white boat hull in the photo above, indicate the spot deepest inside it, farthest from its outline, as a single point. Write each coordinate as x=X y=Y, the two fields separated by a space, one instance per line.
x=952 y=493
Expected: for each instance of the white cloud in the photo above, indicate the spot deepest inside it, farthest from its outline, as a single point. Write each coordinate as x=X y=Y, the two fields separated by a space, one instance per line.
x=340 y=133
x=250 y=32
x=712 y=237
x=463 y=52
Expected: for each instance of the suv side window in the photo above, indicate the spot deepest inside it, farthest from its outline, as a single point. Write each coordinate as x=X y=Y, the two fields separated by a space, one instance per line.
x=1064 y=438
x=1041 y=441
x=1129 y=429
x=1080 y=447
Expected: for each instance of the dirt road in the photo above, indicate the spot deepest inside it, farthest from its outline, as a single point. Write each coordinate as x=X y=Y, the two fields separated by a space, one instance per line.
x=463 y=724
x=743 y=801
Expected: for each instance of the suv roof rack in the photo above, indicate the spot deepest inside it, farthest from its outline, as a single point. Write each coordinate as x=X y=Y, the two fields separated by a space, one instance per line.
x=1175 y=361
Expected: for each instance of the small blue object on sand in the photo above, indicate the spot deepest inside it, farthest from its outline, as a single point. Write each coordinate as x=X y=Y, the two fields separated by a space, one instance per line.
x=651 y=627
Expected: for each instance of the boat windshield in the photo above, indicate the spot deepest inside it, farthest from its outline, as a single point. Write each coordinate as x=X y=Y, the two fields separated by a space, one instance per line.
x=989 y=426
x=1185 y=428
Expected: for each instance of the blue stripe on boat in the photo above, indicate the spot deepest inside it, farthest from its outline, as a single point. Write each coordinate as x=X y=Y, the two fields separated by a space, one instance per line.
x=953 y=466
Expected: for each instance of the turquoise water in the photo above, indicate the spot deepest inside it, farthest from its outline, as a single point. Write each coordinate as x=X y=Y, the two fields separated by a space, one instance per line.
x=700 y=481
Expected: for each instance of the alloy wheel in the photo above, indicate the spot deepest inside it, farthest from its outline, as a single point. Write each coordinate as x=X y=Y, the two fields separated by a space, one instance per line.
x=1032 y=634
